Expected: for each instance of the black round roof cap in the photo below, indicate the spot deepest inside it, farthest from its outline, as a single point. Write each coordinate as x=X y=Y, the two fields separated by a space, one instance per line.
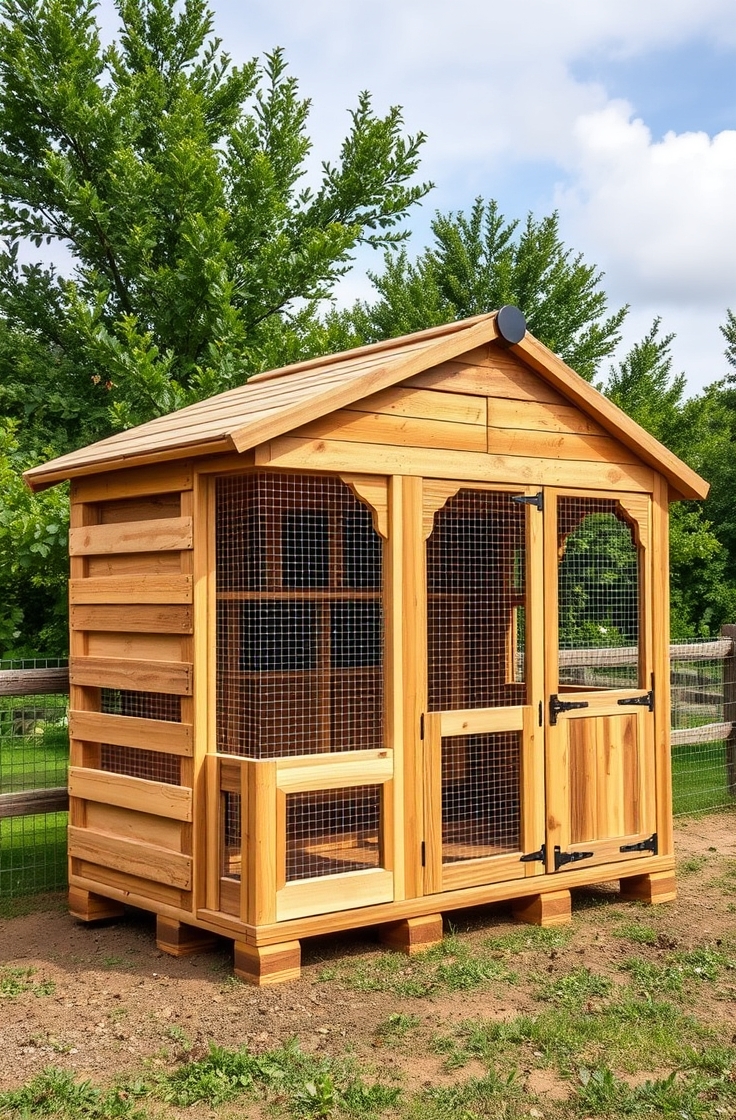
x=511 y=323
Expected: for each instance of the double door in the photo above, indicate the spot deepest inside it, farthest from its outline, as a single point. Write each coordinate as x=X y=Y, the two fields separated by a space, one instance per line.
x=538 y=735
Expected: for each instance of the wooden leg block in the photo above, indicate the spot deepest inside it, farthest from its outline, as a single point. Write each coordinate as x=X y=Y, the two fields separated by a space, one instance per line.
x=268 y=964
x=181 y=940
x=89 y=907
x=656 y=887
x=549 y=909
x=412 y=935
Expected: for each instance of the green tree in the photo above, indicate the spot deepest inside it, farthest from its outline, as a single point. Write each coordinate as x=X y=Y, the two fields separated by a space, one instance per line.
x=703 y=589
x=196 y=244
x=177 y=182
x=479 y=262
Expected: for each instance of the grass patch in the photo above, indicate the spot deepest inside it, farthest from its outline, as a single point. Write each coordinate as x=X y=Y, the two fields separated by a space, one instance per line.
x=629 y=1032
x=396 y=1026
x=56 y=1093
x=17 y=981
x=574 y=990
x=32 y=856
x=530 y=939
x=639 y=934
x=309 y=1086
x=675 y=970
x=451 y=966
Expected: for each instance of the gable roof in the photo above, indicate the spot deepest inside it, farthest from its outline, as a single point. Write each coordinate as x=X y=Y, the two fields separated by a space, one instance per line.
x=274 y=403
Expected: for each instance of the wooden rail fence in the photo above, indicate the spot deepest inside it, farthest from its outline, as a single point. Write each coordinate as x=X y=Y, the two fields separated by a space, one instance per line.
x=47 y=682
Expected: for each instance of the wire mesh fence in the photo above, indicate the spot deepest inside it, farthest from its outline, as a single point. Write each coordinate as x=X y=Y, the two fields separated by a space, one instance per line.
x=34 y=750
x=34 y=758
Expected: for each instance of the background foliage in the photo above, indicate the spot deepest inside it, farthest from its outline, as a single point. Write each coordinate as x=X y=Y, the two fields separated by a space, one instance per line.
x=196 y=239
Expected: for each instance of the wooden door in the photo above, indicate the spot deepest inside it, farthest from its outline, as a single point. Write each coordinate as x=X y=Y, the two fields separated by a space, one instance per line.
x=600 y=724
x=483 y=757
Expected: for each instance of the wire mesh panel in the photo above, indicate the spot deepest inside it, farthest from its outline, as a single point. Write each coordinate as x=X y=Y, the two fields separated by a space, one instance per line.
x=331 y=831
x=481 y=811
x=136 y=762
x=476 y=584
x=598 y=594
x=34 y=756
x=299 y=617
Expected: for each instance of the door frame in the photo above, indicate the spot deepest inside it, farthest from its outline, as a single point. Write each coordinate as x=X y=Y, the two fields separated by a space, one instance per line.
x=527 y=719
x=558 y=787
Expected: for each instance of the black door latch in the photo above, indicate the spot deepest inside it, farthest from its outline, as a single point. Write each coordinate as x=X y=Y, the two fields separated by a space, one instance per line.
x=556 y=706
x=649 y=845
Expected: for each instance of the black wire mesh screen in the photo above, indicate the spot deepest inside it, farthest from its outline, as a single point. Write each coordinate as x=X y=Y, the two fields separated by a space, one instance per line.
x=476 y=583
x=232 y=835
x=299 y=617
x=137 y=762
x=481 y=812
x=598 y=594
x=331 y=831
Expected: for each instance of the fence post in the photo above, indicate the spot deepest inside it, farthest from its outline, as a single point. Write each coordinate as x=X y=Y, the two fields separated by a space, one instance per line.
x=729 y=705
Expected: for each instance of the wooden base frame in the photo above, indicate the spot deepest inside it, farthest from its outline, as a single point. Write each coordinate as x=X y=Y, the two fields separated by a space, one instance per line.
x=90 y=907
x=553 y=908
x=264 y=965
x=658 y=886
x=181 y=940
x=412 y=935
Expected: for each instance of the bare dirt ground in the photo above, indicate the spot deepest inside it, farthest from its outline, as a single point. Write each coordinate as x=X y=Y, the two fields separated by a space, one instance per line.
x=117 y=1005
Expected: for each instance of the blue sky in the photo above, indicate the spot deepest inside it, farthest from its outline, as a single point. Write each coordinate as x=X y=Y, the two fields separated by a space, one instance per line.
x=620 y=115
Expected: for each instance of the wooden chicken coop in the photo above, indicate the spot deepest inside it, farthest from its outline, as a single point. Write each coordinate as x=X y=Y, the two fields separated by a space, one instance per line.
x=339 y=649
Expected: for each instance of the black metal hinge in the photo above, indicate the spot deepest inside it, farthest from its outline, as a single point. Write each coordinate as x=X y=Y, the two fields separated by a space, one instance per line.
x=649 y=845
x=536 y=500
x=424 y=854
x=561 y=858
x=534 y=857
x=556 y=706
x=645 y=701
x=421 y=726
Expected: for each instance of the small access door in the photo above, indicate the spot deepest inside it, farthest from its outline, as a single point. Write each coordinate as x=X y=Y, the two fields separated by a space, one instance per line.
x=600 y=723
x=483 y=754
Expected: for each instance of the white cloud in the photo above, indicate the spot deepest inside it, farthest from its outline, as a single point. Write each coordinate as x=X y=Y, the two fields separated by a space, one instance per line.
x=660 y=213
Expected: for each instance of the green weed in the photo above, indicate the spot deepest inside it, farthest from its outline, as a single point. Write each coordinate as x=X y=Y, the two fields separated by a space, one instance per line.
x=397 y=1025
x=676 y=969
x=575 y=989
x=55 y=1093
x=16 y=981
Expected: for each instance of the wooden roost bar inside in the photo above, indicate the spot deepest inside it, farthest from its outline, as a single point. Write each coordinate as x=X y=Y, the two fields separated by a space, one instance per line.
x=339 y=649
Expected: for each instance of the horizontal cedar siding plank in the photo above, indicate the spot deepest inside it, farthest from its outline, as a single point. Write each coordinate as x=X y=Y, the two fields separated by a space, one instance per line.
x=558 y=445
x=133 y=483
x=337 y=455
x=141 y=676
x=91 y=877
x=540 y=416
x=402 y=431
x=168 y=535
x=133 y=619
x=131 y=731
x=425 y=404
x=158 y=798
x=138 y=564
x=142 y=588
x=487 y=381
x=146 y=861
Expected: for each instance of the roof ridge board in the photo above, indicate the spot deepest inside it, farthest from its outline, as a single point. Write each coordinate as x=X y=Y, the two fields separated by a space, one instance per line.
x=483 y=331
x=399 y=342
